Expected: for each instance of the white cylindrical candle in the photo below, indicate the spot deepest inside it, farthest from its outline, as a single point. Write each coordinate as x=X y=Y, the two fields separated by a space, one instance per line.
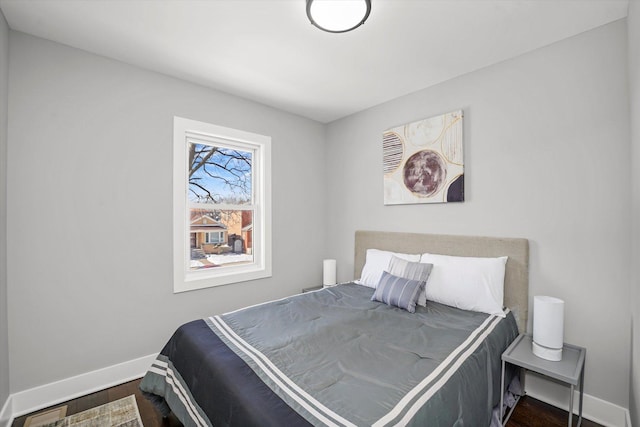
x=548 y=327
x=329 y=272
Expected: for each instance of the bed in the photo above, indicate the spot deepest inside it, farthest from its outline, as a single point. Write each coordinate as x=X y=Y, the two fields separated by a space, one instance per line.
x=336 y=357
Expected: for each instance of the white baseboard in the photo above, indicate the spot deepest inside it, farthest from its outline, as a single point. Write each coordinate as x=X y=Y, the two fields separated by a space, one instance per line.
x=34 y=399
x=5 y=414
x=595 y=409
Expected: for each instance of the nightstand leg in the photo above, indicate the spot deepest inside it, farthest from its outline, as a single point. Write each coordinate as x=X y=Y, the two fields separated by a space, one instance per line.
x=502 y=393
x=571 y=406
x=581 y=395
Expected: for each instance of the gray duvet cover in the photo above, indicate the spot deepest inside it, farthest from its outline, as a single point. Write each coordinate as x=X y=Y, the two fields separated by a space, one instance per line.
x=337 y=358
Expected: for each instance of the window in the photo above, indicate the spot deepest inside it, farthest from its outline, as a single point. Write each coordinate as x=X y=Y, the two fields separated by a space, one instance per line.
x=221 y=201
x=214 y=237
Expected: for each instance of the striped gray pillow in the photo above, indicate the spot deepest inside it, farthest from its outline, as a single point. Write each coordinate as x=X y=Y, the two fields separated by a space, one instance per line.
x=409 y=270
x=398 y=291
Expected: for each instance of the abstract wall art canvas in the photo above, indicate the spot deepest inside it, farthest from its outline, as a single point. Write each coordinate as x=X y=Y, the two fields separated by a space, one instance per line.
x=423 y=161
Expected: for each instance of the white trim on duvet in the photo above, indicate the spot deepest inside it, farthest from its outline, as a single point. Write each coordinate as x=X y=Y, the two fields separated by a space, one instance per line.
x=286 y=385
x=30 y=400
x=471 y=344
x=162 y=368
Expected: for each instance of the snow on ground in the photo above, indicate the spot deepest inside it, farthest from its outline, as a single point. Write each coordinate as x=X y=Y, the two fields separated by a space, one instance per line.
x=196 y=264
x=229 y=258
x=222 y=259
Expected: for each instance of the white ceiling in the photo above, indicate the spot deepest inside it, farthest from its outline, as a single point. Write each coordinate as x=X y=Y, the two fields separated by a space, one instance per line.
x=267 y=51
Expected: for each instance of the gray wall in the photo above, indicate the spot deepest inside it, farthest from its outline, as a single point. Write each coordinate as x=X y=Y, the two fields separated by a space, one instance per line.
x=546 y=158
x=4 y=328
x=89 y=209
x=633 y=26
x=90 y=163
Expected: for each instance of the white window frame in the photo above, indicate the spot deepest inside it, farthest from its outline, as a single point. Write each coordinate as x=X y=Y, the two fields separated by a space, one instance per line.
x=185 y=279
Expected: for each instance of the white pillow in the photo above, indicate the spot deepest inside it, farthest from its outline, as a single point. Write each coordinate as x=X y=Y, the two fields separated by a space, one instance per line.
x=475 y=284
x=376 y=262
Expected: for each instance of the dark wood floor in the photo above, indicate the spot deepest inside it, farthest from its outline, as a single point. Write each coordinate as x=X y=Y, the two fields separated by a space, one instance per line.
x=533 y=413
x=150 y=417
x=529 y=412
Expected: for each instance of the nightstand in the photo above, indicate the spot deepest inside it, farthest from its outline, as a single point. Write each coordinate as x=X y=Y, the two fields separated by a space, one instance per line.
x=312 y=288
x=569 y=370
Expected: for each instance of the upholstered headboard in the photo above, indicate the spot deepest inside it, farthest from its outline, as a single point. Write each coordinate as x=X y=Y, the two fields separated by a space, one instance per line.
x=516 y=281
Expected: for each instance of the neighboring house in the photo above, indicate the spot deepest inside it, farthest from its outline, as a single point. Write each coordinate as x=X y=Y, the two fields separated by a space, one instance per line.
x=234 y=229
x=247 y=237
x=247 y=231
x=208 y=234
x=229 y=233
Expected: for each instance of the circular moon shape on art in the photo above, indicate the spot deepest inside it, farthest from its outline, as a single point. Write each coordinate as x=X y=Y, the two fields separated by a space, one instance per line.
x=392 y=151
x=425 y=173
x=425 y=132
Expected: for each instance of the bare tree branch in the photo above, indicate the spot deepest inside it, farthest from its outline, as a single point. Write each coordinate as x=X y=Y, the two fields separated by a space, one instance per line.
x=232 y=168
x=194 y=168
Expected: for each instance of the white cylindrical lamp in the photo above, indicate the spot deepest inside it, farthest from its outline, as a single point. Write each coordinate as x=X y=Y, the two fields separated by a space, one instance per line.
x=548 y=327
x=329 y=272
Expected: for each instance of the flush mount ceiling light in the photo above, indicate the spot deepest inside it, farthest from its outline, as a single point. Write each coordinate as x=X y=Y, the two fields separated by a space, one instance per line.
x=338 y=16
